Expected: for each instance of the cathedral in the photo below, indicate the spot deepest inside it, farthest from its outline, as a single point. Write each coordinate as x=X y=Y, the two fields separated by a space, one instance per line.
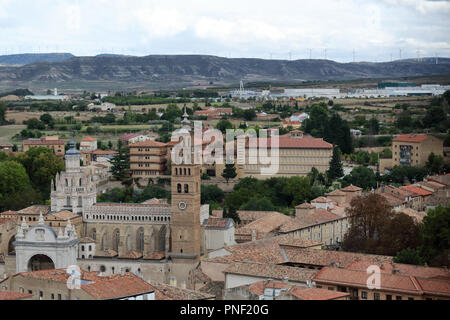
x=75 y=189
x=155 y=240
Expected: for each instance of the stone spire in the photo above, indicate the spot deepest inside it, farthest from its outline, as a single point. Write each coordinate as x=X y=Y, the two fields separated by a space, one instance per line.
x=186 y=122
x=24 y=225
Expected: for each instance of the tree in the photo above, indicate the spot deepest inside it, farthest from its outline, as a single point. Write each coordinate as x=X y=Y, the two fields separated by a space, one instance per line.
x=211 y=194
x=368 y=215
x=34 y=123
x=231 y=213
x=2 y=113
x=401 y=232
x=229 y=172
x=41 y=165
x=121 y=167
x=435 y=163
x=335 y=171
x=258 y=204
x=223 y=125
x=15 y=187
x=435 y=236
x=373 y=126
x=46 y=118
x=408 y=256
x=362 y=177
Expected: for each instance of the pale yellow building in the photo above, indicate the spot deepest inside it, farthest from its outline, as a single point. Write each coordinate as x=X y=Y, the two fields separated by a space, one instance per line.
x=414 y=149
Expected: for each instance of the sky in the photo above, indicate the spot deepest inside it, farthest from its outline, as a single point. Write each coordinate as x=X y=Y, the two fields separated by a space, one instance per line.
x=340 y=30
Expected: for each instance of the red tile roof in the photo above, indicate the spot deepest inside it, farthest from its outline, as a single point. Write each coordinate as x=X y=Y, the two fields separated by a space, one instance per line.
x=148 y=143
x=351 y=188
x=218 y=223
x=288 y=142
x=388 y=282
x=43 y=142
x=119 y=286
x=417 y=190
x=89 y=139
x=411 y=138
x=131 y=255
x=13 y=295
x=306 y=293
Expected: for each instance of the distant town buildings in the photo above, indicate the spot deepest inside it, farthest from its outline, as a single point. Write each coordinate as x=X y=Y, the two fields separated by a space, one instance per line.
x=50 y=142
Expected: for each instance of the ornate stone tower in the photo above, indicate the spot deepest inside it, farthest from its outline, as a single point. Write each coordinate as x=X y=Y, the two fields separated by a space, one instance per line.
x=74 y=189
x=185 y=220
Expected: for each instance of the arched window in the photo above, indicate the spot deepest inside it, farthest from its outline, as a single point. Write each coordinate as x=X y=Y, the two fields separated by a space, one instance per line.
x=140 y=240
x=176 y=171
x=179 y=187
x=184 y=171
x=68 y=201
x=80 y=182
x=116 y=240
x=186 y=188
x=67 y=183
x=80 y=201
x=189 y=171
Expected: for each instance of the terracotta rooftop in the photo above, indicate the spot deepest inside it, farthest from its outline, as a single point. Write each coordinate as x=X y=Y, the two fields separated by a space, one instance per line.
x=305 y=205
x=87 y=240
x=389 y=282
x=89 y=139
x=218 y=223
x=411 y=138
x=313 y=257
x=39 y=142
x=166 y=292
x=351 y=188
x=336 y=193
x=402 y=269
x=13 y=295
x=392 y=200
x=288 y=142
x=8 y=213
x=35 y=209
x=318 y=216
x=108 y=253
x=266 y=224
x=416 y=215
x=155 y=256
x=148 y=143
x=306 y=293
x=321 y=200
x=129 y=136
x=131 y=255
x=245 y=215
x=117 y=287
x=61 y=215
x=103 y=152
x=271 y=271
x=416 y=190
x=59 y=275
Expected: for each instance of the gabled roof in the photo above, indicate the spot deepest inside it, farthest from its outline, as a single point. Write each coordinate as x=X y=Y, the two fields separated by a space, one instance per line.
x=148 y=143
x=88 y=139
x=35 y=209
x=416 y=190
x=13 y=295
x=411 y=138
x=351 y=188
x=271 y=271
x=218 y=223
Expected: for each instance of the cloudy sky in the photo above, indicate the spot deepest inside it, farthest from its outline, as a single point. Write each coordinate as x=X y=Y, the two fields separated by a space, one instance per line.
x=376 y=30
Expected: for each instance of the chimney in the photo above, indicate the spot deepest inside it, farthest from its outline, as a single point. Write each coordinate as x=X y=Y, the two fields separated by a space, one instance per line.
x=285 y=280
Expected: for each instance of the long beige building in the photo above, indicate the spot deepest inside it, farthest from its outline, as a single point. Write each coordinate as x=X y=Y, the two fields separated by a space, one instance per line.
x=298 y=154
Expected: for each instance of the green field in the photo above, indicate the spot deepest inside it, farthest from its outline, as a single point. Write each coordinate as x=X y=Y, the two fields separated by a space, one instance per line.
x=7 y=132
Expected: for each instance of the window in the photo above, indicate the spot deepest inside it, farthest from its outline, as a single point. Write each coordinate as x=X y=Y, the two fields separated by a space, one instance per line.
x=53 y=296
x=410 y=298
x=59 y=296
x=330 y=288
x=179 y=188
x=398 y=297
x=364 y=295
x=82 y=248
x=186 y=188
x=388 y=297
x=376 y=296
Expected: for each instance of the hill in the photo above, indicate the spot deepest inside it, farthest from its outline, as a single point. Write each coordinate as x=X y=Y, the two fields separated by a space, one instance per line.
x=182 y=70
x=27 y=58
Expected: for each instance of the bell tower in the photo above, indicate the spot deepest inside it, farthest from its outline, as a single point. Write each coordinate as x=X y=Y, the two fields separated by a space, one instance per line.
x=185 y=221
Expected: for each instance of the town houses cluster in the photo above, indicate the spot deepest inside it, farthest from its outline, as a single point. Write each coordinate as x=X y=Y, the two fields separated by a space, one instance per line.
x=182 y=250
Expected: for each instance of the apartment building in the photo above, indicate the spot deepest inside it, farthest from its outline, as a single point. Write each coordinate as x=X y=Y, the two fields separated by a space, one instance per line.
x=414 y=149
x=148 y=159
x=298 y=154
x=50 y=142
